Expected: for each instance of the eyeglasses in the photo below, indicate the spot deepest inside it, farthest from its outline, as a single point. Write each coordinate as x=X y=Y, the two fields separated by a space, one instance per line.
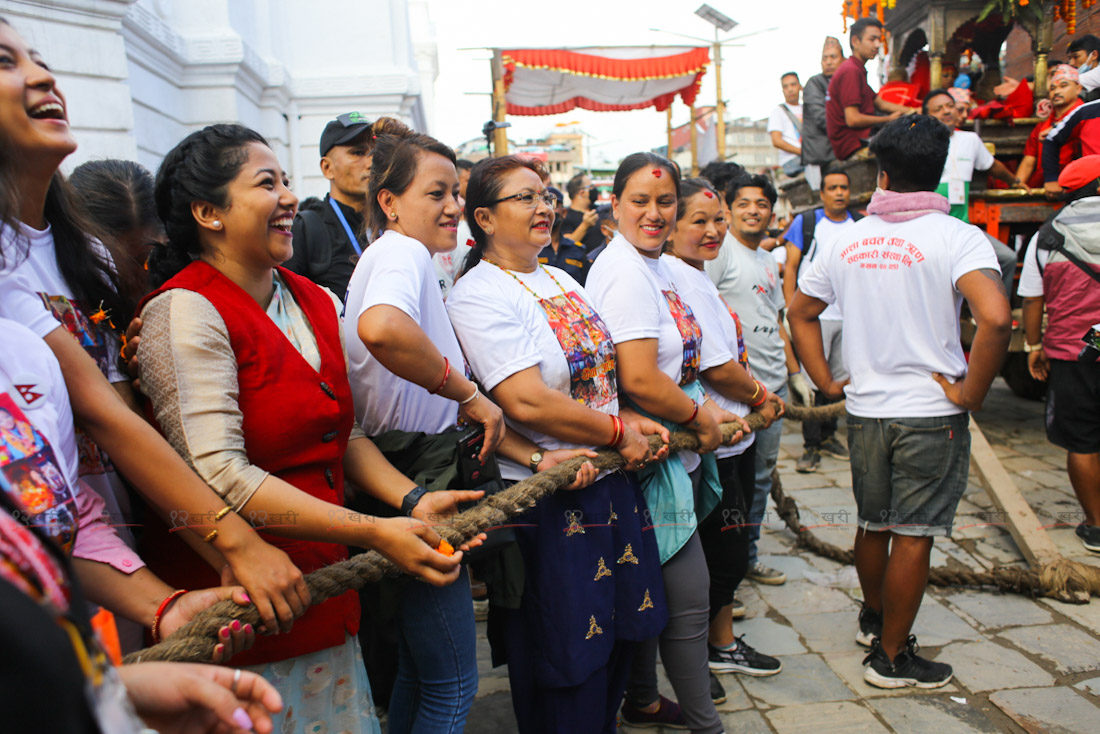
x=530 y=199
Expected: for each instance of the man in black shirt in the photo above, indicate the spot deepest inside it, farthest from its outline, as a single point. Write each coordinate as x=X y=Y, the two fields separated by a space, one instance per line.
x=581 y=217
x=327 y=241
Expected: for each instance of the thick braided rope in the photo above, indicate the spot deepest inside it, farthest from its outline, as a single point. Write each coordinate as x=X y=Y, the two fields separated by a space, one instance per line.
x=194 y=642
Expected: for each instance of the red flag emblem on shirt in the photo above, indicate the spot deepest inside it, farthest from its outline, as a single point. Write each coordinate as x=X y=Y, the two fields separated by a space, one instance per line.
x=30 y=397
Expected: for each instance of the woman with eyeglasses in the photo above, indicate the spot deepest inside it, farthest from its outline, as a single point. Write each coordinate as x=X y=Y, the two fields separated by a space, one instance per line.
x=724 y=369
x=591 y=579
x=657 y=345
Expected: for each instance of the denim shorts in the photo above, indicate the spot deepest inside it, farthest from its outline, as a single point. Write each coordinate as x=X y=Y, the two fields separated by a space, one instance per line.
x=908 y=474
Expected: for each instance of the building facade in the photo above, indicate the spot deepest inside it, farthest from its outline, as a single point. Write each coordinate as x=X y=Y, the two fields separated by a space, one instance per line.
x=139 y=75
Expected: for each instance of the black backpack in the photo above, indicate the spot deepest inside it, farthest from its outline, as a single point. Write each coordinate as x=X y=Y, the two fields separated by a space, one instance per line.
x=809 y=225
x=1052 y=240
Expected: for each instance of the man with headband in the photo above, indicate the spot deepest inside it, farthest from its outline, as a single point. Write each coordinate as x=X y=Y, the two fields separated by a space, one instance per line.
x=1063 y=91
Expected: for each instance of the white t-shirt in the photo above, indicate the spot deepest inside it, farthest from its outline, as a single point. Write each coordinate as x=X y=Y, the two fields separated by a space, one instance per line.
x=504 y=329
x=824 y=232
x=895 y=285
x=637 y=299
x=779 y=121
x=1031 y=278
x=448 y=265
x=31 y=383
x=749 y=282
x=965 y=154
x=723 y=341
x=397 y=271
x=33 y=293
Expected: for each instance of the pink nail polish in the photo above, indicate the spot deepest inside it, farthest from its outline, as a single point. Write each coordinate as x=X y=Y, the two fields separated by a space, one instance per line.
x=247 y=599
x=242 y=719
x=224 y=633
x=236 y=625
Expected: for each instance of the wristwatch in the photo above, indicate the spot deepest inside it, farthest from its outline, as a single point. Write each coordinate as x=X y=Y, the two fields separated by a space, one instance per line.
x=1029 y=348
x=536 y=459
x=408 y=504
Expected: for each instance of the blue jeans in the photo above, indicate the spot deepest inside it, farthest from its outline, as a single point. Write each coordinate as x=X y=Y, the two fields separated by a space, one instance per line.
x=767 y=452
x=437 y=659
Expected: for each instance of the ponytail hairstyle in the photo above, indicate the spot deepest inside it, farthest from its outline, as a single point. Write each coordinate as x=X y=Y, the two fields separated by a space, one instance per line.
x=394 y=162
x=486 y=179
x=637 y=161
x=118 y=198
x=689 y=187
x=199 y=168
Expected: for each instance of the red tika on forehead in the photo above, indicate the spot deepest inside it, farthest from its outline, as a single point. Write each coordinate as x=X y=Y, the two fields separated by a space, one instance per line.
x=657 y=172
x=708 y=194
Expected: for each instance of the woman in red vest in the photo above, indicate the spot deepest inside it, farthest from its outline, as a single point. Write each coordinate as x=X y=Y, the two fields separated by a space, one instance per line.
x=243 y=363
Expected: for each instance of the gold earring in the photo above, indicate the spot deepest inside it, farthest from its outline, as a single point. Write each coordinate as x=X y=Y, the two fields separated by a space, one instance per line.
x=393 y=216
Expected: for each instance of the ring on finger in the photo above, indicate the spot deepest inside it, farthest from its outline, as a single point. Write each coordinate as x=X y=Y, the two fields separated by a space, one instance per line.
x=236 y=680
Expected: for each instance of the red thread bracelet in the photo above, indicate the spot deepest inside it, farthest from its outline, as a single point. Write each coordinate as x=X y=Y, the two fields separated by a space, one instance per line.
x=155 y=629
x=763 y=397
x=446 y=376
x=693 y=415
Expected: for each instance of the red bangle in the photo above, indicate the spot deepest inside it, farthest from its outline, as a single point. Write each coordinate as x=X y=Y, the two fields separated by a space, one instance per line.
x=155 y=629
x=694 y=413
x=618 y=431
x=763 y=397
x=446 y=376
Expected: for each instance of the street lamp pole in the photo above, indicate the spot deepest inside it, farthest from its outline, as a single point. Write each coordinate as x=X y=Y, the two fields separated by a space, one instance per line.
x=720 y=104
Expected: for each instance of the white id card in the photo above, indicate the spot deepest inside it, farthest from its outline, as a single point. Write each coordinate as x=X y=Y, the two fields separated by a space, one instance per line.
x=956 y=192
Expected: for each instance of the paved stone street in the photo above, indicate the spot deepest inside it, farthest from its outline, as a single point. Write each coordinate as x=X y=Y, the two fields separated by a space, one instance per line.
x=1020 y=664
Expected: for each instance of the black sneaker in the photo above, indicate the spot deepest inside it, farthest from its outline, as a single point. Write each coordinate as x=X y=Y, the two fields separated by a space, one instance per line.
x=870 y=626
x=742 y=659
x=717 y=692
x=667 y=715
x=907 y=669
x=808 y=462
x=832 y=447
x=1090 y=536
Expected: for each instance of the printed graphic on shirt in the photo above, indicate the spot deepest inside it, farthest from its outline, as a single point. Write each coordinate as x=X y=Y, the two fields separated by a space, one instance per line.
x=587 y=346
x=27 y=565
x=92 y=338
x=30 y=473
x=882 y=253
x=690 y=333
x=742 y=355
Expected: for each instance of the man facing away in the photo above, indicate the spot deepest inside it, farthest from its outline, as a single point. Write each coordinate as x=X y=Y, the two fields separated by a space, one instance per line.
x=327 y=241
x=817 y=151
x=748 y=279
x=851 y=104
x=1062 y=270
x=899 y=276
x=804 y=240
x=785 y=126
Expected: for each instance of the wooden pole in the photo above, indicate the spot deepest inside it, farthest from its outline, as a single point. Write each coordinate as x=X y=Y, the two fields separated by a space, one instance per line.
x=1043 y=41
x=694 y=143
x=937 y=70
x=720 y=105
x=500 y=106
x=668 y=117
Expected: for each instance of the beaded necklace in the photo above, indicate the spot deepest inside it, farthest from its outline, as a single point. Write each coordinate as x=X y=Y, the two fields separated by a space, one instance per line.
x=525 y=287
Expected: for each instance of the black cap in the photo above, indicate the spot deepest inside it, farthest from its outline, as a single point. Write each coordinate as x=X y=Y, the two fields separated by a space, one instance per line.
x=343 y=129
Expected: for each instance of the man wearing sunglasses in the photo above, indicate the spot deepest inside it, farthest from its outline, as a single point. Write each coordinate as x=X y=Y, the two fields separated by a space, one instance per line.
x=327 y=242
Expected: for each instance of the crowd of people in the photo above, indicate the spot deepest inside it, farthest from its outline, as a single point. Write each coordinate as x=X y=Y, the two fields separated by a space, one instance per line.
x=209 y=389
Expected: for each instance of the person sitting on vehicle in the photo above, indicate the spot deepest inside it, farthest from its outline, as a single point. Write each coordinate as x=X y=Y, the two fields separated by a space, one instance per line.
x=1063 y=91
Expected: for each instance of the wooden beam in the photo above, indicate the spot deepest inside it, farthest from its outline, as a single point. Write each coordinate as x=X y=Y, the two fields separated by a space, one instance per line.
x=1026 y=530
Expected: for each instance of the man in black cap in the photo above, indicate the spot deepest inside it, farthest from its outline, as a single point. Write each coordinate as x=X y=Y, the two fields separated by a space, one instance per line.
x=328 y=241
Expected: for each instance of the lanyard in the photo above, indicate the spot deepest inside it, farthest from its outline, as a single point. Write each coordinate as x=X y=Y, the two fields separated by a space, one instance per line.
x=347 y=228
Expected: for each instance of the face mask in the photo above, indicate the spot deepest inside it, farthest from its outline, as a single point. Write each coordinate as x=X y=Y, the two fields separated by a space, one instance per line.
x=1084 y=67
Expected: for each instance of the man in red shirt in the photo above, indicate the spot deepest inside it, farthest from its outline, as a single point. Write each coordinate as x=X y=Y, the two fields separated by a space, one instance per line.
x=851 y=104
x=1064 y=89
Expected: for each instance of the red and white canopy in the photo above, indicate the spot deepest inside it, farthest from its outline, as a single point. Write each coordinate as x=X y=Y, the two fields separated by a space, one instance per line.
x=610 y=79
